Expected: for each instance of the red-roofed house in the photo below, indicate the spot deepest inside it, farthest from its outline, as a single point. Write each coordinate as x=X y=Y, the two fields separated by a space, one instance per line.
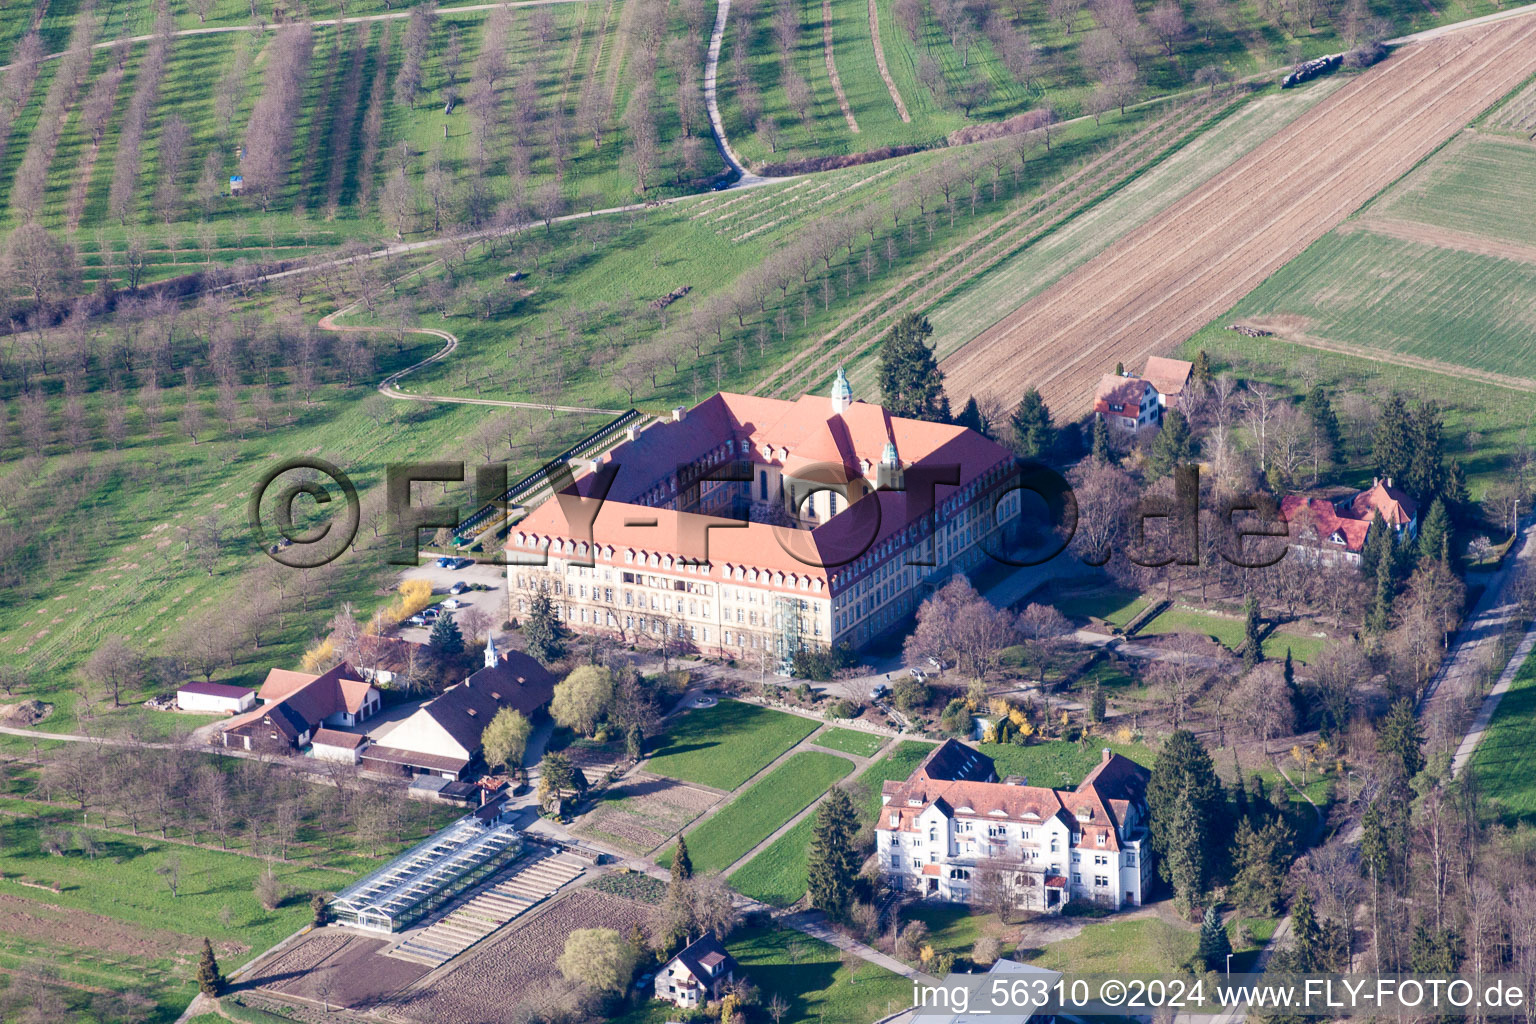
x=1169 y=378
x=952 y=819
x=752 y=526
x=295 y=704
x=1129 y=403
x=1335 y=531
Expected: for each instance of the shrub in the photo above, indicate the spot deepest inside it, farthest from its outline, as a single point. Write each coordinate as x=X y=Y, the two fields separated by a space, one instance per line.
x=956 y=718
x=1364 y=55
x=844 y=708
x=910 y=695
x=987 y=950
x=269 y=890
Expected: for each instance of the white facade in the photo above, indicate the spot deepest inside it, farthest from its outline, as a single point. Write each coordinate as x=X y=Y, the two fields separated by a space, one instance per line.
x=936 y=837
x=191 y=700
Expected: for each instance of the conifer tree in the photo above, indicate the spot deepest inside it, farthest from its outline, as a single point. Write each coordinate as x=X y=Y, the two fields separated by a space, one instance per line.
x=1308 y=936
x=542 y=633
x=1401 y=740
x=1200 y=374
x=1253 y=647
x=1455 y=490
x=1379 y=548
x=1392 y=444
x=1172 y=446
x=1033 y=434
x=209 y=981
x=1214 y=944
x=911 y=383
x=1426 y=469
x=1102 y=452
x=1327 y=439
x=971 y=418
x=445 y=640
x=1379 y=619
x=834 y=862
x=682 y=864
x=1435 y=533
x=1186 y=811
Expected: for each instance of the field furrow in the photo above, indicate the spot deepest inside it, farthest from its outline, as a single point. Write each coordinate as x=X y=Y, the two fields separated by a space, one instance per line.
x=1193 y=262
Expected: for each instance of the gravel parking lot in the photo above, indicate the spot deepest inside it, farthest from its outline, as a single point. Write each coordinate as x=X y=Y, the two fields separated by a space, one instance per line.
x=493 y=602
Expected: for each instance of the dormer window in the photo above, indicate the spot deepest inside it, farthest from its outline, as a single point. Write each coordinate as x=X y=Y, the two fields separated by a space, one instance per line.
x=1103 y=838
x=895 y=820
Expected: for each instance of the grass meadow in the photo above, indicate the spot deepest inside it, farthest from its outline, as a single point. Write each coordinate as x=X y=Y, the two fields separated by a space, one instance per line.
x=725 y=745
x=725 y=837
x=1478 y=185
x=1505 y=760
x=850 y=741
x=1229 y=633
x=777 y=875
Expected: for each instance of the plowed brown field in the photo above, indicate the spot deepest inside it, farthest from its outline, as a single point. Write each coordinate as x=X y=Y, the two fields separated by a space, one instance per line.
x=1176 y=273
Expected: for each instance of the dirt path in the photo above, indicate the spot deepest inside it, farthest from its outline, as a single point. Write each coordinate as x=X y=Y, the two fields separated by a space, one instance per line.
x=1445 y=238
x=885 y=71
x=1187 y=266
x=450 y=342
x=1285 y=330
x=837 y=83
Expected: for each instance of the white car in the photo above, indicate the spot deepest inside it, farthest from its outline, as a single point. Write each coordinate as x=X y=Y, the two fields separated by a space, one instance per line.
x=453 y=603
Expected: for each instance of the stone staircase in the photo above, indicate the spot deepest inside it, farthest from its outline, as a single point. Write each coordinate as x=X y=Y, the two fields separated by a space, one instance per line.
x=536 y=880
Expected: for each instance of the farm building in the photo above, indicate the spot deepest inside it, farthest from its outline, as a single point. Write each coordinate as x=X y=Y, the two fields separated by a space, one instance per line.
x=428 y=875
x=755 y=527
x=295 y=704
x=332 y=745
x=216 y=698
x=697 y=975
x=443 y=736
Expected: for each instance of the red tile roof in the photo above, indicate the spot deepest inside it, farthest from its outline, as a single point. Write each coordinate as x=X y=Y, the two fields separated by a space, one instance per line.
x=788 y=435
x=1119 y=396
x=337 y=738
x=1167 y=376
x=1395 y=506
x=1099 y=805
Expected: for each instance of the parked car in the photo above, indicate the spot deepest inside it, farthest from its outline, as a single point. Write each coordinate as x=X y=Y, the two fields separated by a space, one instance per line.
x=453 y=603
x=416 y=620
x=430 y=614
x=442 y=563
x=879 y=691
x=459 y=588
x=460 y=563
x=918 y=675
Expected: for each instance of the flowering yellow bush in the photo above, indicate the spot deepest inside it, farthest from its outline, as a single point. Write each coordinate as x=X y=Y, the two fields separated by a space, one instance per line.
x=411 y=597
x=319 y=657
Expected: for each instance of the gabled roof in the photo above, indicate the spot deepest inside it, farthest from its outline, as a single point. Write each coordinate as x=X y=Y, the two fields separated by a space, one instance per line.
x=337 y=738
x=517 y=682
x=705 y=958
x=1167 y=376
x=1394 y=505
x=338 y=689
x=1119 y=395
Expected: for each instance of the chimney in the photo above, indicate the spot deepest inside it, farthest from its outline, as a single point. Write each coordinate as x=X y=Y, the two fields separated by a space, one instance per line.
x=1108 y=753
x=633 y=433
x=595 y=464
x=678 y=414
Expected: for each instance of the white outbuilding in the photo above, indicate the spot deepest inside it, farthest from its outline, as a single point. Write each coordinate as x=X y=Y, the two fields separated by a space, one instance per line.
x=216 y=698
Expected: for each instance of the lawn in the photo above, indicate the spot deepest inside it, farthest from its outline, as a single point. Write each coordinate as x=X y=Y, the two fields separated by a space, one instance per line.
x=1059 y=763
x=850 y=741
x=725 y=745
x=1114 y=606
x=721 y=840
x=124 y=885
x=1229 y=633
x=956 y=928
x=776 y=876
x=1120 y=948
x=1505 y=760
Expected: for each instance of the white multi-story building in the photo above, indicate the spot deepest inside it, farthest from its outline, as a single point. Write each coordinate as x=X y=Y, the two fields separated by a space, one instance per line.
x=952 y=822
x=752 y=526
